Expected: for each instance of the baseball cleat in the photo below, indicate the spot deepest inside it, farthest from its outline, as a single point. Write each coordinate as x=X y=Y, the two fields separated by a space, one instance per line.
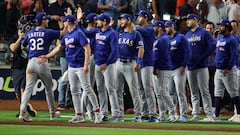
x=24 y=117
x=98 y=118
x=77 y=119
x=32 y=112
x=54 y=115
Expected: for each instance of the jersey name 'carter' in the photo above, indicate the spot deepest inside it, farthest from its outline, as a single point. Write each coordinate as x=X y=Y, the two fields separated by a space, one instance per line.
x=36 y=34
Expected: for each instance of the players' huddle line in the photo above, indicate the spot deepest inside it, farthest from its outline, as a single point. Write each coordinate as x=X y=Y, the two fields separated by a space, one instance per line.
x=154 y=59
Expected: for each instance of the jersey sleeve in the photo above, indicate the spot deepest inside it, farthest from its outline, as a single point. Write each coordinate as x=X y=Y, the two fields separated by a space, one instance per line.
x=139 y=40
x=25 y=40
x=63 y=43
x=113 y=41
x=82 y=39
x=187 y=51
x=53 y=34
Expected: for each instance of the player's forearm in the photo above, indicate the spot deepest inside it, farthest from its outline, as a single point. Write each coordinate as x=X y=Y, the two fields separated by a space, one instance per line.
x=123 y=7
x=54 y=52
x=63 y=32
x=14 y=46
x=101 y=6
x=140 y=52
x=154 y=6
x=87 y=54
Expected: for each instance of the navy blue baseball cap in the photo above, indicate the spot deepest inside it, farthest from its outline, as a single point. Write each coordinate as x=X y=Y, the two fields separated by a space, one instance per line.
x=170 y=24
x=91 y=17
x=224 y=22
x=104 y=17
x=192 y=16
x=42 y=16
x=69 y=18
x=159 y=23
x=146 y=14
x=127 y=16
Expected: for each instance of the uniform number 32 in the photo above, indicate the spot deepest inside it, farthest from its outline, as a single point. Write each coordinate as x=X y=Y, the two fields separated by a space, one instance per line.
x=36 y=44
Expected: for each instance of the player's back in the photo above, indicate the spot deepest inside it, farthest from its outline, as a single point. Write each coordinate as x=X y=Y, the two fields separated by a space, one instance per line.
x=39 y=40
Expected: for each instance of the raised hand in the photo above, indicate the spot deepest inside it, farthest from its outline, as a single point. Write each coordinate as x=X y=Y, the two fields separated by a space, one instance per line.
x=79 y=14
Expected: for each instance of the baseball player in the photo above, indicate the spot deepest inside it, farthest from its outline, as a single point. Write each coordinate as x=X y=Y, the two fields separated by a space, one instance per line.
x=226 y=73
x=105 y=56
x=162 y=69
x=145 y=76
x=202 y=46
x=235 y=33
x=78 y=52
x=130 y=53
x=179 y=55
x=91 y=26
x=38 y=41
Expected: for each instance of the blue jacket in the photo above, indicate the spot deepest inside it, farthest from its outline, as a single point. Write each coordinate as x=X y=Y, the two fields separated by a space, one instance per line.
x=74 y=42
x=202 y=46
x=148 y=35
x=238 y=62
x=106 y=46
x=226 y=52
x=92 y=40
x=106 y=43
x=180 y=51
x=161 y=52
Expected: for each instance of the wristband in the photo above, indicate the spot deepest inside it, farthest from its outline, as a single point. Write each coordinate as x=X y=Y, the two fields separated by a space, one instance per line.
x=139 y=60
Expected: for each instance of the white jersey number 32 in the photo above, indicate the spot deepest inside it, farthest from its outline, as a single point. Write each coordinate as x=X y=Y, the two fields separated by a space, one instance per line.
x=36 y=44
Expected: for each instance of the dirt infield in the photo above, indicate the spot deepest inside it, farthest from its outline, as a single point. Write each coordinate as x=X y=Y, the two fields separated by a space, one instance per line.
x=42 y=105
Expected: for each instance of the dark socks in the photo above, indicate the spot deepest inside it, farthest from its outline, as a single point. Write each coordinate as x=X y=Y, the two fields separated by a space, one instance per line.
x=236 y=101
x=217 y=106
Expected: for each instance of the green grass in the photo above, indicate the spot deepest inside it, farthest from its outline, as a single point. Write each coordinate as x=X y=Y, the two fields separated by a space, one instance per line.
x=43 y=130
x=52 y=130
x=44 y=116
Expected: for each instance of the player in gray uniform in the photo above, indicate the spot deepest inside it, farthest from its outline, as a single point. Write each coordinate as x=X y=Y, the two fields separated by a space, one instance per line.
x=90 y=19
x=226 y=73
x=77 y=51
x=162 y=70
x=130 y=48
x=202 y=46
x=145 y=75
x=38 y=41
x=179 y=55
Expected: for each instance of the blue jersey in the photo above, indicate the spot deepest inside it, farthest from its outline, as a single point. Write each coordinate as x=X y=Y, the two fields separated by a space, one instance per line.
x=92 y=40
x=128 y=44
x=180 y=51
x=226 y=52
x=238 y=62
x=148 y=35
x=106 y=46
x=39 y=40
x=161 y=55
x=73 y=42
x=202 y=46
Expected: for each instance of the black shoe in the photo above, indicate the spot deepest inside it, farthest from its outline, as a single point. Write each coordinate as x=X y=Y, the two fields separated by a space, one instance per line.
x=145 y=118
x=105 y=118
x=31 y=111
x=17 y=115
